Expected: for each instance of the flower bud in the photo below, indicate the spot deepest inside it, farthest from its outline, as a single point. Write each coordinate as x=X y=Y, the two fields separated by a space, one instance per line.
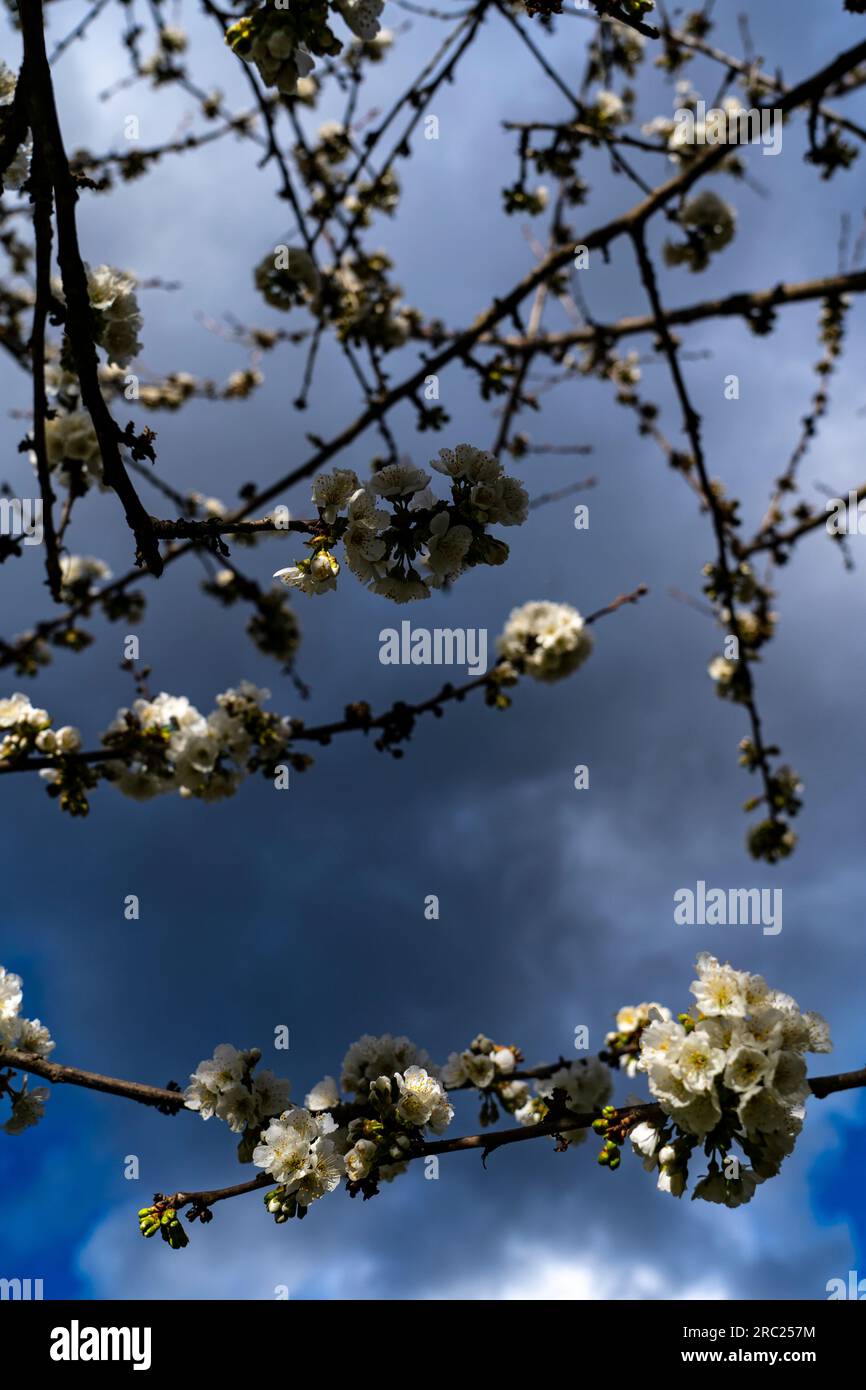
x=68 y=739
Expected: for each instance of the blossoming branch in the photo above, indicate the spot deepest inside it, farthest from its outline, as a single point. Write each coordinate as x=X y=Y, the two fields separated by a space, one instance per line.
x=727 y=1076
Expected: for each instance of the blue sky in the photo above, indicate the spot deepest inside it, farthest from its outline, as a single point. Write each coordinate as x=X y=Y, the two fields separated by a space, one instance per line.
x=306 y=909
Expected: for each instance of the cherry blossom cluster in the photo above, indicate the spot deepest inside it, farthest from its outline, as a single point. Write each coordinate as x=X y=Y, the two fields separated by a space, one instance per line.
x=72 y=449
x=168 y=745
x=18 y=170
x=224 y=1086
x=280 y=41
x=686 y=140
x=81 y=577
x=399 y=1094
x=415 y=542
x=355 y=295
x=162 y=745
x=709 y=224
x=71 y=442
x=728 y=1074
x=117 y=317
x=544 y=640
x=488 y=1068
x=26 y=729
x=395 y=1097
x=27 y=1035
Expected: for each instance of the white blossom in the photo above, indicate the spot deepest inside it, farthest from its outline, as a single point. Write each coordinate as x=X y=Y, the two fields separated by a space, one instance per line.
x=82 y=571
x=359 y=1160
x=453 y=1074
x=608 y=108
x=222 y=1086
x=325 y=1170
x=112 y=295
x=746 y=1067
x=646 y=1139
x=547 y=640
x=713 y=223
x=737 y=1075
x=398 y=480
x=371 y=1057
x=285 y=1146
x=587 y=1083
x=362 y=17
x=27 y=1110
x=11 y=995
x=422 y=1100
x=323 y=1096
x=722 y=671
x=480 y=1069
x=271 y=1093
x=719 y=989
x=504 y=1060
x=446 y=548
x=70 y=439
x=317 y=575
x=819 y=1033
x=333 y=491
x=401 y=588
x=272 y=47
x=33 y=1037
x=8 y=83
x=237 y=1106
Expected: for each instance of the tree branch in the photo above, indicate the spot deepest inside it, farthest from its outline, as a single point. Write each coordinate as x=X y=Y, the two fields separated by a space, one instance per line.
x=47 y=136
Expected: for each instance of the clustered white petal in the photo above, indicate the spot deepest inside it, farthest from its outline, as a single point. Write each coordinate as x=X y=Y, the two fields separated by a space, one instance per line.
x=118 y=317
x=371 y=1057
x=323 y=1096
x=422 y=1100
x=710 y=224
x=416 y=542
x=545 y=640
x=633 y=1026
x=18 y=169
x=80 y=576
x=224 y=1085
x=731 y=1072
x=298 y=1154
x=362 y=17
x=478 y=1065
x=72 y=450
x=21 y=726
x=176 y=748
x=24 y=1035
x=269 y=39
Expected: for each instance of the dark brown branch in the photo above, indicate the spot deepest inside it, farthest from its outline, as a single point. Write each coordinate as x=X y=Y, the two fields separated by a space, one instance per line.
x=692 y=427
x=488 y=1142
x=172 y=1101
x=774 y=540
x=187 y=528
x=751 y=305
x=359 y=717
x=598 y=239
x=60 y=1075
x=40 y=186
x=47 y=137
